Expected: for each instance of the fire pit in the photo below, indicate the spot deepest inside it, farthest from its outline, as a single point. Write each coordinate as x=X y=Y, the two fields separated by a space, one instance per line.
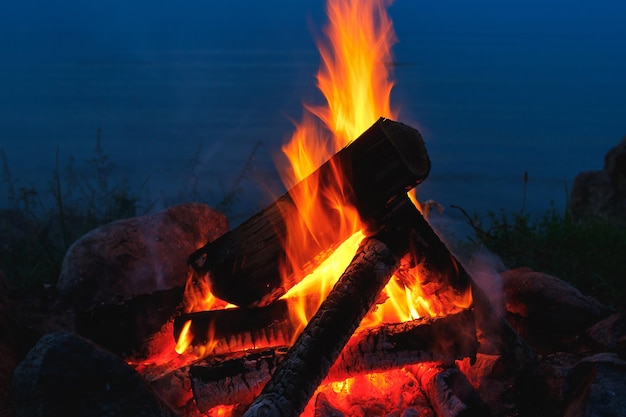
x=403 y=308
x=341 y=277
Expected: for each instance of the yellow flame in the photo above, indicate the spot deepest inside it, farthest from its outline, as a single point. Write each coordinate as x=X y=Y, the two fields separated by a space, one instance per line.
x=184 y=339
x=355 y=81
x=354 y=76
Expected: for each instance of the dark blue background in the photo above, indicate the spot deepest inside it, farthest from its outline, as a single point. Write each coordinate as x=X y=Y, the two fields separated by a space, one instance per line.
x=497 y=89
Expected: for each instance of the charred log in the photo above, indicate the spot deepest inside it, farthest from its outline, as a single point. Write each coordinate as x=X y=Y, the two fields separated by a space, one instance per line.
x=442 y=339
x=125 y=328
x=385 y=161
x=225 y=382
x=449 y=392
x=444 y=278
x=236 y=329
x=308 y=361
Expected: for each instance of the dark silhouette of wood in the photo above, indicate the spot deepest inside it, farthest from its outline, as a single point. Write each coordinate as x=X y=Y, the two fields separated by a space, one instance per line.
x=243 y=265
x=237 y=381
x=443 y=277
x=449 y=392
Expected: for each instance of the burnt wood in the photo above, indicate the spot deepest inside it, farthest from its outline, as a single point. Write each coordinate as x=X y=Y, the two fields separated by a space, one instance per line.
x=237 y=381
x=318 y=346
x=235 y=329
x=449 y=392
x=443 y=277
x=387 y=160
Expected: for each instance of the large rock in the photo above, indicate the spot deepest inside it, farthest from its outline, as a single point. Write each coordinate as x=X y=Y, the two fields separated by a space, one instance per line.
x=137 y=256
x=602 y=193
x=548 y=312
x=610 y=334
x=125 y=280
x=66 y=375
x=598 y=384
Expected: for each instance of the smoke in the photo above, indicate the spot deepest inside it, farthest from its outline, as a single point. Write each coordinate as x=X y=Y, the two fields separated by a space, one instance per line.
x=481 y=264
x=485 y=268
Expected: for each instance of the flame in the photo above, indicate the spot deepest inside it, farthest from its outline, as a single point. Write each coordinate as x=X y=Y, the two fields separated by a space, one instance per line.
x=198 y=297
x=355 y=80
x=354 y=76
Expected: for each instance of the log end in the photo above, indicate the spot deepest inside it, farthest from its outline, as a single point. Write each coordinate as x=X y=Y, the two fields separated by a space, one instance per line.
x=409 y=144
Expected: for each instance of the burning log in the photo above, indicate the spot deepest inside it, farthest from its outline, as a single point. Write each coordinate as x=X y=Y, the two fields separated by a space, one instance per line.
x=236 y=329
x=385 y=161
x=449 y=391
x=444 y=277
x=238 y=381
x=308 y=361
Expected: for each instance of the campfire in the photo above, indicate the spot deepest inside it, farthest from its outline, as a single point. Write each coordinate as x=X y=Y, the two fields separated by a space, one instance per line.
x=340 y=290
x=338 y=299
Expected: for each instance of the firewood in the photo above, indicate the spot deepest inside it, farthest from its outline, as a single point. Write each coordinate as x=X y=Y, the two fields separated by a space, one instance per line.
x=320 y=343
x=243 y=265
x=444 y=339
x=449 y=392
x=231 y=330
x=443 y=277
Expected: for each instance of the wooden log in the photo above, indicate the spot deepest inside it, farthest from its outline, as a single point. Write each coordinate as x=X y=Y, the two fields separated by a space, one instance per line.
x=243 y=265
x=444 y=339
x=231 y=330
x=320 y=343
x=449 y=392
x=443 y=277
x=435 y=269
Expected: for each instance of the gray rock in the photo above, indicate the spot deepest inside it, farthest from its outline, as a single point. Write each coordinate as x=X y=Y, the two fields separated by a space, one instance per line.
x=547 y=311
x=598 y=387
x=140 y=255
x=557 y=370
x=615 y=166
x=610 y=334
x=66 y=375
x=602 y=193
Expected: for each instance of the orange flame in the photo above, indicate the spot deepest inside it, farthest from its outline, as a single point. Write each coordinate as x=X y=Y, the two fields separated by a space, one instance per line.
x=355 y=80
x=198 y=297
x=354 y=76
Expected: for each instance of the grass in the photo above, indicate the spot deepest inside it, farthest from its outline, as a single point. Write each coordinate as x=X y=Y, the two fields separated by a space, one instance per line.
x=589 y=253
x=37 y=230
x=38 y=227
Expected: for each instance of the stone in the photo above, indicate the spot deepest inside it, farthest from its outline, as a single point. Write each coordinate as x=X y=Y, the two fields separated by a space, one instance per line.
x=124 y=281
x=602 y=193
x=66 y=375
x=598 y=384
x=547 y=312
x=136 y=256
x=557 y=370
x=610 y=334
x=615 y=166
